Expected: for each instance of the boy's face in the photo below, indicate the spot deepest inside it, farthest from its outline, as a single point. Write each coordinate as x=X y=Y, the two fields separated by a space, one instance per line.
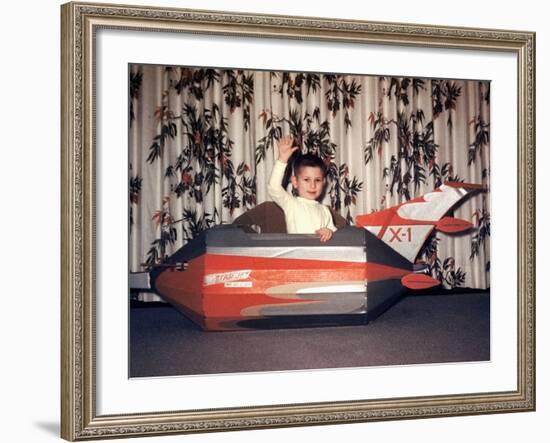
x=309 y=182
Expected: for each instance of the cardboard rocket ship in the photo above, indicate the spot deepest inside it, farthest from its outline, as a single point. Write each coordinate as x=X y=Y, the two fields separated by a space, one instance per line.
x=231 y=278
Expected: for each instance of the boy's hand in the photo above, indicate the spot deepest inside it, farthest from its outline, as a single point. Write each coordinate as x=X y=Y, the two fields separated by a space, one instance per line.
x=286 y=148
x=324 y=234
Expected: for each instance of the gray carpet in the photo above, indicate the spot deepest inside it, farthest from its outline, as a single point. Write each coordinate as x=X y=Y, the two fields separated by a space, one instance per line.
x=418 y=329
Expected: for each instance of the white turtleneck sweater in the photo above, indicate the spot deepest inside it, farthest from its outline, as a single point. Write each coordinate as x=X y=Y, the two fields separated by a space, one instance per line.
x=302 y=215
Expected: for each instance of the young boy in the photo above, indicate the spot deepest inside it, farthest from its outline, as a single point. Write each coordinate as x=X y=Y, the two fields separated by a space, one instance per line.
x=303 y=214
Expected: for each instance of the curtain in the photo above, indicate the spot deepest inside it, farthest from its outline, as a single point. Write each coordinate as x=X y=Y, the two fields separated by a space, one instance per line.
x=202 y=146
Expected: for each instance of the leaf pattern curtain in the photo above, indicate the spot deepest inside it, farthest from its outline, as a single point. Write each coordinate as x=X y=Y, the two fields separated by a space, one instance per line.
x=202 y=146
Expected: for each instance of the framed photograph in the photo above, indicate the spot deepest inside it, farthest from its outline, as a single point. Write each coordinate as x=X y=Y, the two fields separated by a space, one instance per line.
x=172 y=123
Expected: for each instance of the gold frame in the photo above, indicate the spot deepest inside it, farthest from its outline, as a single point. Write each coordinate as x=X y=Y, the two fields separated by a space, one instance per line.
x=78 y=414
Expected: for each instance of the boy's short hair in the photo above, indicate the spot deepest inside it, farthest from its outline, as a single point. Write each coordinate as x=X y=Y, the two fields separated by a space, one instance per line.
x=311 y=160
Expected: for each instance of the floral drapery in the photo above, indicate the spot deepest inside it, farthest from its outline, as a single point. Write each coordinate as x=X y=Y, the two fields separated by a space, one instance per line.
x=202 y=145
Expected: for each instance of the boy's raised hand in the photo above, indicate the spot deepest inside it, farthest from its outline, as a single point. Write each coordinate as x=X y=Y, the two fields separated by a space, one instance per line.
x=286 y=148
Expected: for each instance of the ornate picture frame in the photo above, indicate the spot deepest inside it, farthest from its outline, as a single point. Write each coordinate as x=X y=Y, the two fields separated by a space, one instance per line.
x=80 y=243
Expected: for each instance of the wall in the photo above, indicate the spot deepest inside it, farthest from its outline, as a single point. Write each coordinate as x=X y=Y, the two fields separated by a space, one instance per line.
x=29 y=320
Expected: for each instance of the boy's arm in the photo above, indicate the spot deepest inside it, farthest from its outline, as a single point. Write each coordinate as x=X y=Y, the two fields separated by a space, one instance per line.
x=275 y=188
x=326 y=231
x=330 y=223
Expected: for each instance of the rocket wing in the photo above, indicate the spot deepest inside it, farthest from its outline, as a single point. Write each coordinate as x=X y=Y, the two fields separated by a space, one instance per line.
x=405 y=227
